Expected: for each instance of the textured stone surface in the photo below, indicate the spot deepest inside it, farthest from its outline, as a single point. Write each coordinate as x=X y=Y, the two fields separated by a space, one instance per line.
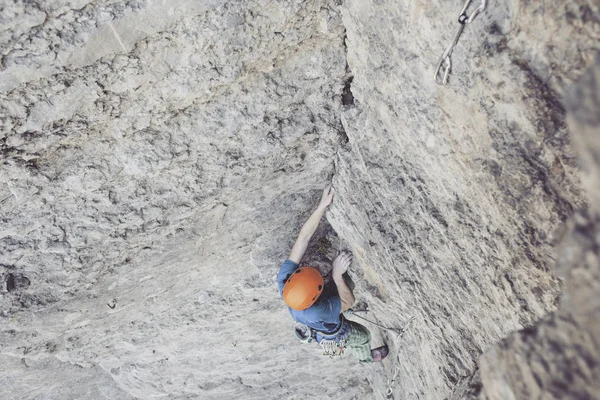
x=451 y=197
x=560 y=357
x=166 y=180
x=158 y=160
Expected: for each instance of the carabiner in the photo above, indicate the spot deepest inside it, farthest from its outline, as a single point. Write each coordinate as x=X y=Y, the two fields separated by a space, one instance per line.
x=462 y=17
x=444 y=77
x=445 y=59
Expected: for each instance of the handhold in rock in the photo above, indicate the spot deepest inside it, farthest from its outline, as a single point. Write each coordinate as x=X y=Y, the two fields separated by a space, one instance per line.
x=17 y=282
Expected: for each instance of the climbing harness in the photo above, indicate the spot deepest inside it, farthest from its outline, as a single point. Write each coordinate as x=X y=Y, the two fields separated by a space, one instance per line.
x=445 y=61
x=307 y=334
x=333 y=343
x=303 y=332
x=331 y=347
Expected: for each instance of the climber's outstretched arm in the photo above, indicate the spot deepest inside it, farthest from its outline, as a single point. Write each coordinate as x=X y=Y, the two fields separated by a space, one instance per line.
x=340 y=266
x=309 y=227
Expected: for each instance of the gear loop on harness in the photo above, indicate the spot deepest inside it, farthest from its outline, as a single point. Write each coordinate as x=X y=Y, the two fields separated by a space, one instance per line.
x=445 y=61
x=332 y=347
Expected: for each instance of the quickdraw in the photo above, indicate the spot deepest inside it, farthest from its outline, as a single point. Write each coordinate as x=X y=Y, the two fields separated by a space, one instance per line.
x=441 y=76
x=391 y=382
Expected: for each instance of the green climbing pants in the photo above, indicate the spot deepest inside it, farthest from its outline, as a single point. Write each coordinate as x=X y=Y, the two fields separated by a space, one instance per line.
x=359 y=340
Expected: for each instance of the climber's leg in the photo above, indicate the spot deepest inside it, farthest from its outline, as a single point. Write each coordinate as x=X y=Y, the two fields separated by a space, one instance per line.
x=359 y=340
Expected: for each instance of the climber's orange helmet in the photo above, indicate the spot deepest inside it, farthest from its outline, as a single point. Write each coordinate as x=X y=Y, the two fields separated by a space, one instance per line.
x=303 y=288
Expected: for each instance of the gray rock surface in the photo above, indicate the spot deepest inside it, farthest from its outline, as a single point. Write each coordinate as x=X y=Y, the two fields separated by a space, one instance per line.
x=157 y=161
x=466 y=185
x=560 y=357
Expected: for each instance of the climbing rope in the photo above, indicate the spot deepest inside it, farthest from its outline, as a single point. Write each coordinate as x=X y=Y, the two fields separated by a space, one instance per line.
x=445 y=61
x=395 y=330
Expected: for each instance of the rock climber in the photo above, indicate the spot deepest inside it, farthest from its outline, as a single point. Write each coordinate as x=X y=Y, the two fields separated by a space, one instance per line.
x=302 y=291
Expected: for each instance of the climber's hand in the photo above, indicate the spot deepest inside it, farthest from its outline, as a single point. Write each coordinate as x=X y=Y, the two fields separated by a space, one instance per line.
x=341 y=264
x=327 y=197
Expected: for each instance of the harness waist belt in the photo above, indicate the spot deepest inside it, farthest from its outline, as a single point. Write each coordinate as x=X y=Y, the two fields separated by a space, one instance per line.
x=337 y=330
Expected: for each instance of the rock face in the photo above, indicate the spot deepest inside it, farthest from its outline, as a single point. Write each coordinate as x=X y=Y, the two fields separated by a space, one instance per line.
x=560 y=357
x=452 y=196
x=158 y=160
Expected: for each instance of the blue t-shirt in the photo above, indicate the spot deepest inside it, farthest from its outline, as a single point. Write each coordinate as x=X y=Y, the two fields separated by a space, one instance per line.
x=323 y=316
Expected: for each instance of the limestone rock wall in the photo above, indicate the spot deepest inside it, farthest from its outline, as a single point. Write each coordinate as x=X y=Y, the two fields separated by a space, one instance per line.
x=467 y=184
x=560 y=357
x=158 y=159
x=156 y=165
